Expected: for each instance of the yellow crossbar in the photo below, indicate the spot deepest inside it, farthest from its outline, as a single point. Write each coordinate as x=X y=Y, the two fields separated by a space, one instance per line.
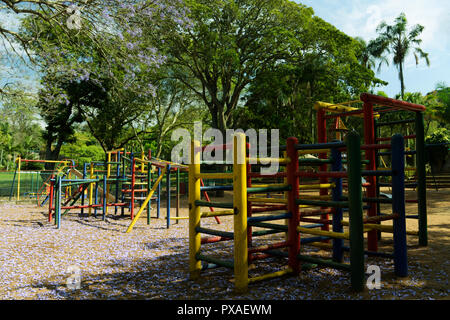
x=150 y=194
x=214 y=176
x=270 y=275
x=316 y=186
x=217 y=213
x=268 y=160
x=337 y=235
x=268 y=185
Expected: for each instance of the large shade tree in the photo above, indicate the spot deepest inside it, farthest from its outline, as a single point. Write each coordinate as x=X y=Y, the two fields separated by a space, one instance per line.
x=227 y=44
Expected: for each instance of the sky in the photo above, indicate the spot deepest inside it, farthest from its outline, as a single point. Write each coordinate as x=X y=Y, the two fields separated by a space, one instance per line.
x=355 y=18
x=361 y=18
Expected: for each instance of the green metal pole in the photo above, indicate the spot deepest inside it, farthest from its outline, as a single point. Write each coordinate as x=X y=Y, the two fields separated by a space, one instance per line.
x=421 y=180
x=355 y=212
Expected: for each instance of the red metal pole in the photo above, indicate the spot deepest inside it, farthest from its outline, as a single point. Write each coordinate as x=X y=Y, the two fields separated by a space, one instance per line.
x=50 y=200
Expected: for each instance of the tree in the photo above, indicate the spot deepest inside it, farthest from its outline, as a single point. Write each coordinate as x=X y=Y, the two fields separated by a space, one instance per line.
x=399 y=41
x=325 y=68
x=368 y=56
x=104 y=79
x=227 y=44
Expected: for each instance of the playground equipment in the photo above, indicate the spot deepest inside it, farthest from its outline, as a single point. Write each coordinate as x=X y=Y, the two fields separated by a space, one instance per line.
x=373 y=108
x=40 y=179
x=124 y=181
x=250 y=211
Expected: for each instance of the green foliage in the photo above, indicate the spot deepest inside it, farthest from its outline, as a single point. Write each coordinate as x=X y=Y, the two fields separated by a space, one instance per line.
x=398 y=40
x=326 y=68
x=440 y=135
x=20 y=132
x=84 y=149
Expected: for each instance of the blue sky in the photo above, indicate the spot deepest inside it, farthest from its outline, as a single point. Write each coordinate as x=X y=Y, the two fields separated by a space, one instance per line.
x=361 y=17
x=355 y=18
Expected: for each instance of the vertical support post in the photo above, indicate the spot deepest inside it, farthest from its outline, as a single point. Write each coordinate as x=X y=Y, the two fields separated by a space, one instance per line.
x=398 y=205
x=149 y=186
x=293 y=208
x=168 y=195
x=178 y=195
x=133 y=181
x=124 y=180
x=83 y=195
x=421 y=180
x=58 y=203
x=240 y=213
x=369 y=138
x=19 y=161
x=158 y=197
x=105 y=198
x=336 y=194
x=51 y=197
x=322 y=138
x=91 y=186
x=195 y=265
x=117 y=179
x=355 y=211
x=14 y=180
x=96 y=197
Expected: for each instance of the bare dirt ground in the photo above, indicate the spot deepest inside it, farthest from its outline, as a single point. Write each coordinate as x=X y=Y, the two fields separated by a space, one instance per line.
x=152 y=261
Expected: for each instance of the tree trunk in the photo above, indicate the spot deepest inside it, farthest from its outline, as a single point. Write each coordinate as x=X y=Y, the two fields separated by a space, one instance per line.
x=402 y=81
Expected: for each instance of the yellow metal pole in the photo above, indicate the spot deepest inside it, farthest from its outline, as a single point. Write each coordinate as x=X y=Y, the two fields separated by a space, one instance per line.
x=91 y=187
x=240 y=217
x=143 y=162
x=19 y=161
x=195 y=265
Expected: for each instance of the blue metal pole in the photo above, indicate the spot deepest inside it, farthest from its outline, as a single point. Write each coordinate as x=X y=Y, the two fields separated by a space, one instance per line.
x=158 y=199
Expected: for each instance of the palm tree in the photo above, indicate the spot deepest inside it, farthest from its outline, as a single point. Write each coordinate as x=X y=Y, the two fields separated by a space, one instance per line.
x=368 y=54
x=398 y=40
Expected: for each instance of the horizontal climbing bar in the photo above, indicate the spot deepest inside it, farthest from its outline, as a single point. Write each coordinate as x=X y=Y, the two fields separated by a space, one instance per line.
x=215 y=188
x=316 y=186
x=268 y=189
x=224 y=205
x=322 y=174
x=331 y=234
x=214 y=175
x=267 y=200
x=334 y=204
x=319 y=146
x=272 y=226
x=217 y=213
x=270 y=275
x=268 y=160
x=286 y=215
x=213 y=232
